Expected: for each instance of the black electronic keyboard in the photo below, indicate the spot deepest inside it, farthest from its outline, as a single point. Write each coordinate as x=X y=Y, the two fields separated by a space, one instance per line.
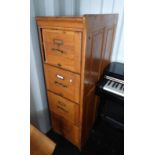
x=112 y=81
x=110 y=88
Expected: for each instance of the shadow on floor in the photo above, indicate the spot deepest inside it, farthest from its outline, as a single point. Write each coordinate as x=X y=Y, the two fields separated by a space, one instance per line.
x=103 y=140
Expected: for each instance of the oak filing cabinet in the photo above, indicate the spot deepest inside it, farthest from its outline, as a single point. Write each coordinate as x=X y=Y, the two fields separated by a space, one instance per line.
x=75 y=51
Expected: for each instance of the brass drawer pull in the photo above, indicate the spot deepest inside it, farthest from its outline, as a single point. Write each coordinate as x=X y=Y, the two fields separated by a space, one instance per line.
x=61 y=108
x=59 y=65
x=60 y=84
x=60 y=77
x=57 y=50
x=59 y=94
x=58 y=41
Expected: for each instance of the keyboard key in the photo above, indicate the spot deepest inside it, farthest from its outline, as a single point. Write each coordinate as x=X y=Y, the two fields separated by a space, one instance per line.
x=108 y=82
x=114 y=84
x=121 y=88
x=111 y=84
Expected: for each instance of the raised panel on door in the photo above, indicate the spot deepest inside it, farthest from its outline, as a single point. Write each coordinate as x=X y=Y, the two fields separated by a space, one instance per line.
x=107 y=50
x=93 y=58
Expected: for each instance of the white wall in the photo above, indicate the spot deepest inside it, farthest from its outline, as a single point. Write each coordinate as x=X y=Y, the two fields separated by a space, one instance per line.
x=39 y=112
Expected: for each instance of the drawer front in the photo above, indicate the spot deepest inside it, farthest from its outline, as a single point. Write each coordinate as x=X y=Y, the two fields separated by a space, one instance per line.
x=64 y=108
x=63 y=49
x=63 y=83
x=66 y=129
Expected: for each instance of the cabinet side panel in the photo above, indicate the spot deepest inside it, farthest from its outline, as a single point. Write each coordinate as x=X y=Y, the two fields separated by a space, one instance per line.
x=99 y=43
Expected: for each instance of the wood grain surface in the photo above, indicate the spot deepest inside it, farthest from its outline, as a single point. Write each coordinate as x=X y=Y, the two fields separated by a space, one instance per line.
x=78 y=49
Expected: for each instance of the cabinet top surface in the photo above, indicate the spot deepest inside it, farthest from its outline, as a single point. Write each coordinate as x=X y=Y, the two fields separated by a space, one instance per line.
x=78 y=22
x=77 y=18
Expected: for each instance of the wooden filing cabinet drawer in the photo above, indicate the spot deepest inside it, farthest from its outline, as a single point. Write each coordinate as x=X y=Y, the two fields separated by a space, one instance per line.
x=66 y=129
x=62 y=48
x=63 y=83
x=64 y=108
